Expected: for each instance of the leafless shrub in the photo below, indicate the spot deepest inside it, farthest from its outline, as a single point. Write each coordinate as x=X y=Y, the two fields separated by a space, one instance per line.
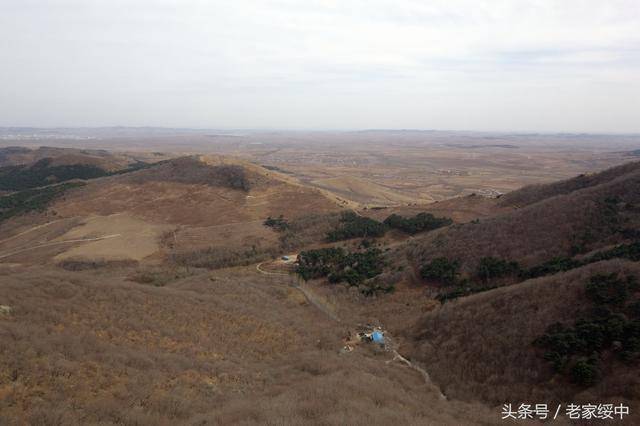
x=307 y=230
x=159 y=277
x=86 y=264
x=220 y=257
x=581 y=221
x=534 y=193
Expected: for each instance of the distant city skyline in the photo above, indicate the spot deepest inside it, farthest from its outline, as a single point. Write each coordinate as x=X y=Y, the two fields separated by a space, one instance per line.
x=483 y=65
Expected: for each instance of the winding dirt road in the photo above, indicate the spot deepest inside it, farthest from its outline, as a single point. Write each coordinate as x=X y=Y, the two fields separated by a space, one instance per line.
x=262 y=271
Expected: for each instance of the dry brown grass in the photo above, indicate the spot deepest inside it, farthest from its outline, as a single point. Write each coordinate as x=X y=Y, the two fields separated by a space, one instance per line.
x=136 y=239
x=362 y=190
x=226 y=348
x=308 y=230
x=64 y=156
x=193 y=207
x=81 y=264
x=460 y=209
x=181 y=193
x=178 y=345
x=541 y=230
x=535 y=193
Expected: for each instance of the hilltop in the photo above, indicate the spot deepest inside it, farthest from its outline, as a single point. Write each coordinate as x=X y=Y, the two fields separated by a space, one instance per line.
x=556 y=220
x=24 y=168
x=105 y=160
x=174 y=207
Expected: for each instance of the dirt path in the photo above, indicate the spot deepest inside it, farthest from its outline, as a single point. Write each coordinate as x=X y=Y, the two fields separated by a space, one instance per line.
x=2 y=256
x=30 y=230
x=425 y=375
x=262 y=271
x=309 y=296
x=312 y=299
x=86 y=219
x=230 y=224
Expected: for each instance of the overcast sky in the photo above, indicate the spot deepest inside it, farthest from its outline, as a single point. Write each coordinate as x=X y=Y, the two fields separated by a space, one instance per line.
x=540 y=65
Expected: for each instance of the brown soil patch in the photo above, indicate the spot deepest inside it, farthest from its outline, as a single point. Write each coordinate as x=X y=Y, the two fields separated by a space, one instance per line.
x=132 y=238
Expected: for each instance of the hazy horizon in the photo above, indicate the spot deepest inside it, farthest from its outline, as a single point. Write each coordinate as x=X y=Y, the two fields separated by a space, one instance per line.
x=314 y=130
x=486 y=66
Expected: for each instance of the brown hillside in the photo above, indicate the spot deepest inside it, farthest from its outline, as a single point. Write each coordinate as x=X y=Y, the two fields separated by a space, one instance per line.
x=362 y=190
x=188 y=191
x=480 y=347
x=231 y=347
x=460 y=209
x=535 y=193
x=174 y=207
x=108 y=161
x=582 y=220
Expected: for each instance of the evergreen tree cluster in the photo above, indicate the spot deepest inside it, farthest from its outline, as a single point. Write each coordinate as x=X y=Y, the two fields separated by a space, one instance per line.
x=41 y=173
x=355 y=226
x=461 y=291
x=629 y=251
x=32 y=199
x=419 y=223
x=442 y=270
x=612 y=324
x=339 y=265
x=491 y=268
x=18 y=178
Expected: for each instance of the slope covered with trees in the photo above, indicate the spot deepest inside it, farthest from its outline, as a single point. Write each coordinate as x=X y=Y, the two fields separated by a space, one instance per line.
x=31 y=200
x=551 y=339
x=18 y=178
x=534 y=193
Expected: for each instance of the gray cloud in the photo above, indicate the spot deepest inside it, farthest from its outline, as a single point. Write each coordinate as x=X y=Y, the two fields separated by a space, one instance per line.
x=449 y=64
